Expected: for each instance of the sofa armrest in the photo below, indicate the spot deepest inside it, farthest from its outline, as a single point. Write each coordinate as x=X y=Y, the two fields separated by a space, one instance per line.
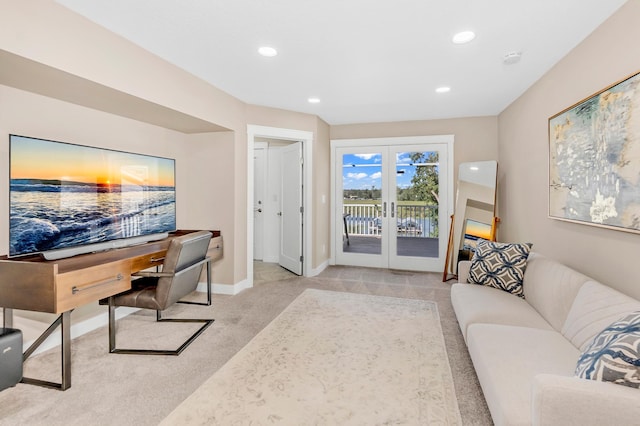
x=463 y=270
x=562 y=400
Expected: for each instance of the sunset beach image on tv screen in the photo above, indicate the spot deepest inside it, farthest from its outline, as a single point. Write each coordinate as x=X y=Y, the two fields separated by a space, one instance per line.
x=64 y=195
x=473 y=231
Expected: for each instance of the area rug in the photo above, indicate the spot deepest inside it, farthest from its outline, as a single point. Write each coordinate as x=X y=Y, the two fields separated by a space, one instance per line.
x=334 y=358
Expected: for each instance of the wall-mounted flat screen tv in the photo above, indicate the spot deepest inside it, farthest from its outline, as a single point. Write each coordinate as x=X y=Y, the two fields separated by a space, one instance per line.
x=68 y=199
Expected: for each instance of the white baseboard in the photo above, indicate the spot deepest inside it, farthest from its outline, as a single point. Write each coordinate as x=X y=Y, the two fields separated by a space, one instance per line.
x=319 y=269
x=242 y=285
x=228 y=289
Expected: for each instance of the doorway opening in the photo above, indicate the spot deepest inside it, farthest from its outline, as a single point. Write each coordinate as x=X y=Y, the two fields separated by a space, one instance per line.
x=277 y=203
x=282 y=141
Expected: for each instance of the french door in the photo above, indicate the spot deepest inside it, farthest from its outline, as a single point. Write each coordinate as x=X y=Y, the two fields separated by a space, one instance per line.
x=391 y=203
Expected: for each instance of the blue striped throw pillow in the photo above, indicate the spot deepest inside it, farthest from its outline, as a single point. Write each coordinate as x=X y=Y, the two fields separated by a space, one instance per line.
x=614 y=354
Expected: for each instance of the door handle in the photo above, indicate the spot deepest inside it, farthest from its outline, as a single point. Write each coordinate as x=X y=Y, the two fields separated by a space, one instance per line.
x=384 y=209
x=257 y=210
x=393 y=209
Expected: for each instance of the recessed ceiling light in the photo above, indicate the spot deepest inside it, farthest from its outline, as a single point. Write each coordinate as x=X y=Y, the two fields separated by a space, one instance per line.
x=313 y=100
x=267 y=51
x=443 y=89
x=463 y=37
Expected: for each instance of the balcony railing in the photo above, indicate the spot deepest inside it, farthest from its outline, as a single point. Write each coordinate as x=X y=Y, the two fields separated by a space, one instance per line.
x=418 y=221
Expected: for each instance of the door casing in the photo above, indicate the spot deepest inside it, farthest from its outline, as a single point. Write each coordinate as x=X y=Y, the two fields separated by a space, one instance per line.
x=253 y=132
x=260 y=179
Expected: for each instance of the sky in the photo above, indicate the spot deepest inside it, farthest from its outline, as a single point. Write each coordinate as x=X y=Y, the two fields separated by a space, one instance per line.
x=368 y=170
x=42 y=159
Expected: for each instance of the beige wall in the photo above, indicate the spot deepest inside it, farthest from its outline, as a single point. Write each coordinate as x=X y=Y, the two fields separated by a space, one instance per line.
x=608 y=55
x=49 y=50
x=322 y=196
x=46 y=32
x=212 y=175
x=200 y=189
x=97 y=68
x=205 y=197
x=29 y=114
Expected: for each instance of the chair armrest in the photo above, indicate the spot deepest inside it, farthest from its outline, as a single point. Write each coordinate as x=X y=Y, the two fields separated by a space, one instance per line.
x=171 y=274
x=463 y=270
x=562 y=400
x=152 y=274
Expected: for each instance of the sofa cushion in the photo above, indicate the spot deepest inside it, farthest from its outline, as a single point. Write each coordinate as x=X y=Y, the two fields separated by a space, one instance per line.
x=614 y=354
x=551 y=287
x=479 y=304
x=595 y=307
x=506 y=360
x=500 y=265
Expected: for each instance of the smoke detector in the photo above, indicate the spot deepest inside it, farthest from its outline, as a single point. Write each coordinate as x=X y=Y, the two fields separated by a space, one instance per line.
x=512 y=58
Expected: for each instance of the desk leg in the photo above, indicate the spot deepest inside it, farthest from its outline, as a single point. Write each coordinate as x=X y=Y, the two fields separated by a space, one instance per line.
x=7 y=317
x=64 y=321
x=66 y=350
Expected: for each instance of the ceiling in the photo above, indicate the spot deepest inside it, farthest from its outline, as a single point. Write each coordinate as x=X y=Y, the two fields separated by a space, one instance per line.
x=366 y=60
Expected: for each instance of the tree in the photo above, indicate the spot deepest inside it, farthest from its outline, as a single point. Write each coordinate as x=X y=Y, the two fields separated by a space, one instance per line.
x=424 y=183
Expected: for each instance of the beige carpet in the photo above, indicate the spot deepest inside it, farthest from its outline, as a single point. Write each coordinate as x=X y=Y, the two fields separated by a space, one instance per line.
x=110 y=389
x=334 y=358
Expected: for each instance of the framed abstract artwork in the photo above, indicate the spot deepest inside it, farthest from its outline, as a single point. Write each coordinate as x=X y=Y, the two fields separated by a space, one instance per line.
x=594 y=159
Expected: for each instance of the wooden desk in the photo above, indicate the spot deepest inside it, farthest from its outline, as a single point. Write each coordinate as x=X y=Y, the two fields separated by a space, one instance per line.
x=58 y=286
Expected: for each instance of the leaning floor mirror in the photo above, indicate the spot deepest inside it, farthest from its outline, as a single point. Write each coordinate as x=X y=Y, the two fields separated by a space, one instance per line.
x=474 y=212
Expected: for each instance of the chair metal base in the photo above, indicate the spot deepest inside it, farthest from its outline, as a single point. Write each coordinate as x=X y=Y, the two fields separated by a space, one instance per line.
x=175 y=352
x=64 y=321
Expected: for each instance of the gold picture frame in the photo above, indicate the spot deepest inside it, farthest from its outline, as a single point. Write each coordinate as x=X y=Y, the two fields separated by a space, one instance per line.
x=594 y=159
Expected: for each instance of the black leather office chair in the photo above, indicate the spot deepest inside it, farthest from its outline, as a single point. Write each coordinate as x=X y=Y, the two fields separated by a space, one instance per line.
x=179 y=277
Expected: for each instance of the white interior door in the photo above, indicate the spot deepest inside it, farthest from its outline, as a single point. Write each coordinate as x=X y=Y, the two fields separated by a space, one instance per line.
x=390 y=203
x=291 y=236
x=272 y=206
x=259 y=175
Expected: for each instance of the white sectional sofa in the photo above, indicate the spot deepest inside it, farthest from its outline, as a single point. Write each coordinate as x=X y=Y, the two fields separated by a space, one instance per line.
x=525 y=351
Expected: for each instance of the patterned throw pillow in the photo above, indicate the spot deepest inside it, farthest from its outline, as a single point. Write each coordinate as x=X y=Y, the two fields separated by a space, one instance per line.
x=499 y=265
x=614 y=354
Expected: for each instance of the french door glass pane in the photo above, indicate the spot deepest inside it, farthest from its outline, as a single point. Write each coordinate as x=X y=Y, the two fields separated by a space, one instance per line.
x=416 y=204
x=362 y=202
